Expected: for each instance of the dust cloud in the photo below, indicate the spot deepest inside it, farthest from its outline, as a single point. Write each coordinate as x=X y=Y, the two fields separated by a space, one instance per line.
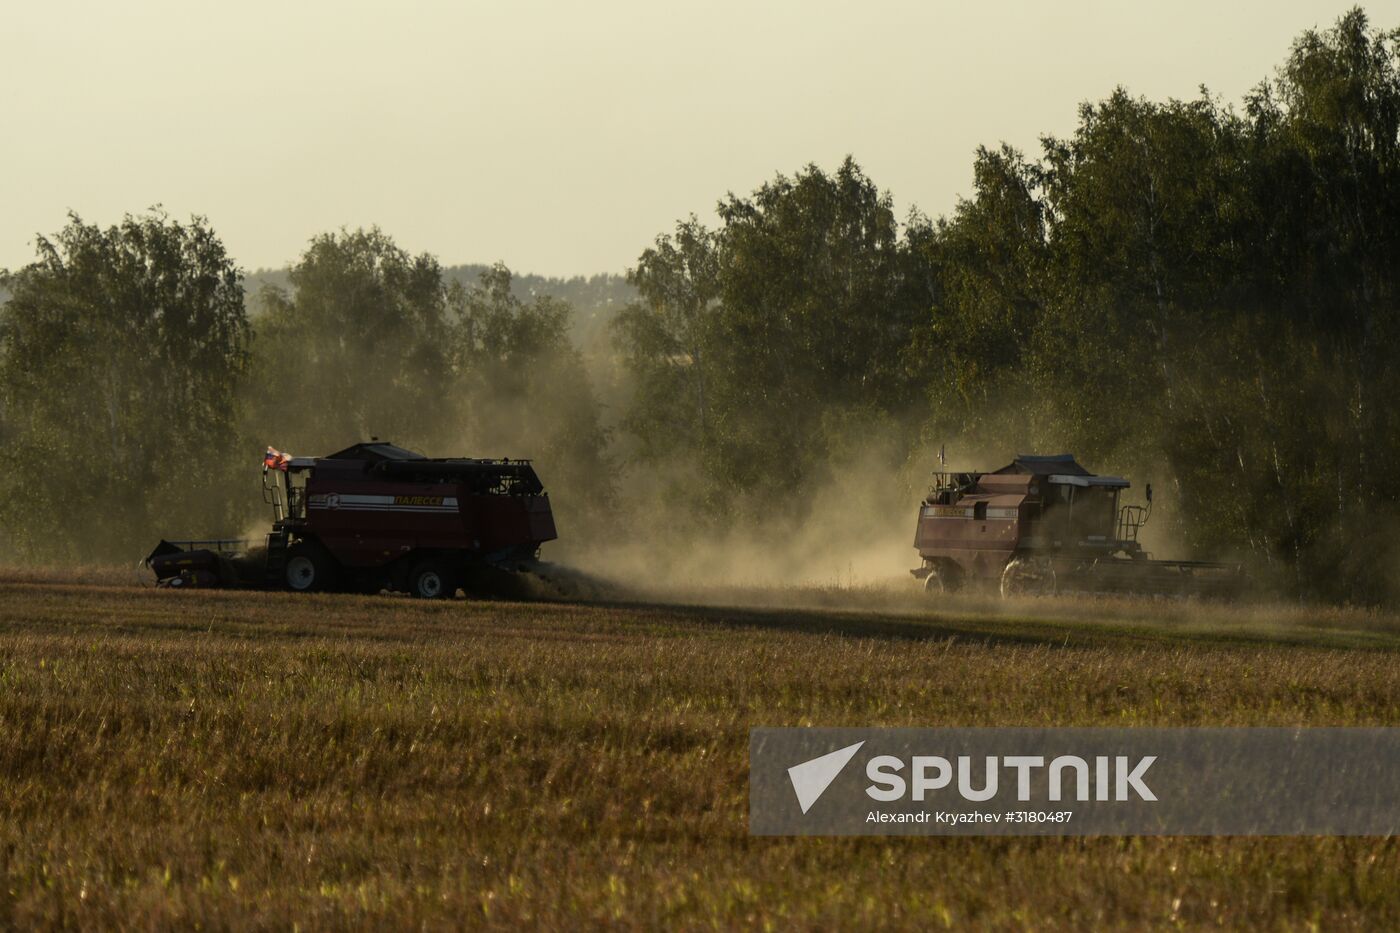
x=855 y=530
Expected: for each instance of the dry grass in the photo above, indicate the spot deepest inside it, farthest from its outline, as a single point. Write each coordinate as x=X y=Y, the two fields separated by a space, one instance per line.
x=258 y=760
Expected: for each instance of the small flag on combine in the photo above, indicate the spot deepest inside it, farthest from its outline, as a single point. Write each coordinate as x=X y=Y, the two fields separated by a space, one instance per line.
x=275 y=460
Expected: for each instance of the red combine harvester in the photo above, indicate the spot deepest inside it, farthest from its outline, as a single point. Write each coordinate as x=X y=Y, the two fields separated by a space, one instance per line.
x=376 y=516
x=1042 y=525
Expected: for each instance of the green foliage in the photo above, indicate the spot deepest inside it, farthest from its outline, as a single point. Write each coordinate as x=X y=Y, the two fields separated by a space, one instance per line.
x=756 y=347
x=988 y=263
x=526 y=390
x=121 y=356
x=371 y=341
x=134 y=402
x=665 y=336
x=358 y=348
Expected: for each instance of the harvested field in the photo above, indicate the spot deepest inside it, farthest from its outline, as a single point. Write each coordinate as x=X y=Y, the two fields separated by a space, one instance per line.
x=243 y=759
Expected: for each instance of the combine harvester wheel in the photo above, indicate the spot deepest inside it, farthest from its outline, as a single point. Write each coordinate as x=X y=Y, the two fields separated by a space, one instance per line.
x=433 y=579
x=309 y=569
x=1028 y=576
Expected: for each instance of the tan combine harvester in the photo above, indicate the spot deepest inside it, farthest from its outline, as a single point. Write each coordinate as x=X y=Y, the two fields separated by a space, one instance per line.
x=1041 y=525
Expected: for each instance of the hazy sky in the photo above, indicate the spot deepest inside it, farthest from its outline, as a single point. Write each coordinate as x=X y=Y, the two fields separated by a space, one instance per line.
x=558 y=137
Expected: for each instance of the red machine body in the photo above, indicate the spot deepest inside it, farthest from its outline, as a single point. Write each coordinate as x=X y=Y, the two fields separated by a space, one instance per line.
x=376 y=516
x=1042 y=524
x=367 y=516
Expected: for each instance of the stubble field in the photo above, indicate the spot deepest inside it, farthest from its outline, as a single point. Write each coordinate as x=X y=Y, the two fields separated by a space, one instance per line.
x=236 y=760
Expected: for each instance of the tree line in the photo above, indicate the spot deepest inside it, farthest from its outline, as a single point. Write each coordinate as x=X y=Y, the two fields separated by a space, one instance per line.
x=1184 y=290
x=1189 y=291
x=136 y=392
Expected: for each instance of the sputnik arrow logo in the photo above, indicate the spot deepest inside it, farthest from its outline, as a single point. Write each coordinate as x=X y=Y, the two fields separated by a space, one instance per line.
x=811 y=778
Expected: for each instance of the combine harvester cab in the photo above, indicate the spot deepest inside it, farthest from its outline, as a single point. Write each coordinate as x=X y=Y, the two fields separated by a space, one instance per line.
x=376 y=516
x=1042 y=525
